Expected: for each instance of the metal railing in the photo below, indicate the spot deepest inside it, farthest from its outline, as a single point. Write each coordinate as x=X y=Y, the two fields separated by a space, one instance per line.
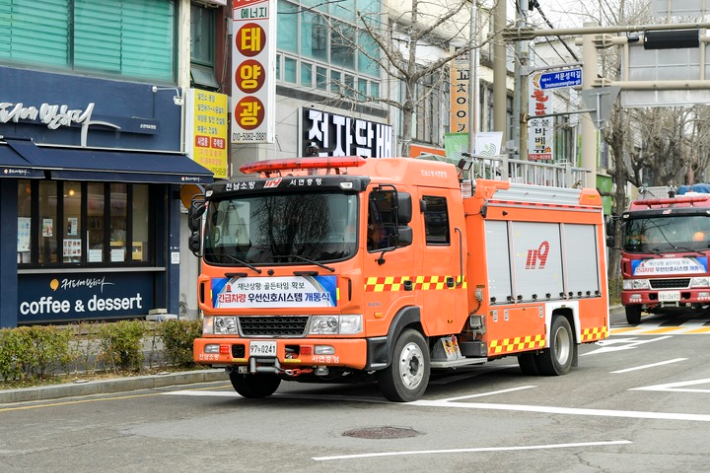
x=501 y=168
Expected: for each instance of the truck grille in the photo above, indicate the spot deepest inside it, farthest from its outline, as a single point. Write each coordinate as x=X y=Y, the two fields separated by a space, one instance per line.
x=287 y=326
x=677 y=283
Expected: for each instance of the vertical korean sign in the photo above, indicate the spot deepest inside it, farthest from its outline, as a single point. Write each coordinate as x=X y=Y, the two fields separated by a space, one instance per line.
x=253 y=74
x=460 y=94
x=206 y=119
x=540 y=130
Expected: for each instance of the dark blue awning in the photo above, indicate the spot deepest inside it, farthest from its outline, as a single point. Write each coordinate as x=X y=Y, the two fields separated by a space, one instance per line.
x=116 y=166
x=14 y=165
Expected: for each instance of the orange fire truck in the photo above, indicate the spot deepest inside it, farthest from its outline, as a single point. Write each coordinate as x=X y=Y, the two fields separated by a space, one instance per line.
x=344 y=268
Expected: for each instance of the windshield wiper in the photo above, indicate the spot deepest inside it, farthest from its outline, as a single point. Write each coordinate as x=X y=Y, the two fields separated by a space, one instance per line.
x=237 y=260
x=685 y=248
x=307 y=261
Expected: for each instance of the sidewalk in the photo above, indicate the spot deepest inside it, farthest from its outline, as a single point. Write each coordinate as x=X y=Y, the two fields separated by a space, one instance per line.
x=57 y=391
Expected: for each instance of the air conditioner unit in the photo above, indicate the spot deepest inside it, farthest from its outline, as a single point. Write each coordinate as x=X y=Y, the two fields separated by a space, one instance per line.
x=210 y=3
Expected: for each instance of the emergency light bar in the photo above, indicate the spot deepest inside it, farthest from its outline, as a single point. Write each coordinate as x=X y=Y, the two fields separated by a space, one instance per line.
x=273 y=165
x=676 y=200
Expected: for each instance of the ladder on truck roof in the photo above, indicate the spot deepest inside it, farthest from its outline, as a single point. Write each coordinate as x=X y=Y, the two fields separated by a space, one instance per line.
x=502 y=168
x=538 y=194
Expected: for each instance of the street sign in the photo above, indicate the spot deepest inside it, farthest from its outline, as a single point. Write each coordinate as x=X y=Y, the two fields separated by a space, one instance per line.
x=559 y=79
x=600 y=101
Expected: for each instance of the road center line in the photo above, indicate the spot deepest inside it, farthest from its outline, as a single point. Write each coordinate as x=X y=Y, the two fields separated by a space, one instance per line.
x=473 y=450
x=677 y=387
x=661 y=363
x=567 y=410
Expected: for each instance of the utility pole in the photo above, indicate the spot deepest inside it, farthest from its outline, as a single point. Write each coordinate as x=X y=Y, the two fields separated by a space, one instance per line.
x=500 y=71
x=589 y=132
x=520 y=97
x=473 y=81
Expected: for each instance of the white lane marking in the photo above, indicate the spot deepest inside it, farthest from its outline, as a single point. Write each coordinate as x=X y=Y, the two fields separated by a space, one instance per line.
x=487 y=394
x=660 y=363
x=499 y=407
x=607 y=345
x=567 y=410
x=676 y=387
x=473 y=450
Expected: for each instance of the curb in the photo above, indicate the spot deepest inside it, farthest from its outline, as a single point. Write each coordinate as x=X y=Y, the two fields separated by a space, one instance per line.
x=41 y=393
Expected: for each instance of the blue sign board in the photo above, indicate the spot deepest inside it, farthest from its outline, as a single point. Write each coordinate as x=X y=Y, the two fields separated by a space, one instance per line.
x=84 y=296
x=558 y=79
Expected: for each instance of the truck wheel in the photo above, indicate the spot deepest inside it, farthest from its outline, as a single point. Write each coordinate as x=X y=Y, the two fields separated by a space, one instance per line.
x=557 y=359
x=633 y=314
x=528 y=364
x=407 y=377
x=254 y=386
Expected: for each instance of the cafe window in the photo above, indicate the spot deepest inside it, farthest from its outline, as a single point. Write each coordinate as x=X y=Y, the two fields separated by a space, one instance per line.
x=70 y=223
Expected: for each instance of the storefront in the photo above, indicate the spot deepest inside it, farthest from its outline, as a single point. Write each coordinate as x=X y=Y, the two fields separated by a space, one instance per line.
x=90 y=174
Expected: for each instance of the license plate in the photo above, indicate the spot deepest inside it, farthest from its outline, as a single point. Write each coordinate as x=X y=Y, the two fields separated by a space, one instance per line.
x=669 y=296
x=262 y=348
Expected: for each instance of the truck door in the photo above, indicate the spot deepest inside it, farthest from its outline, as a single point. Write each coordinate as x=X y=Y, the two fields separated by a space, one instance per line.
x=440 y=288
x=388 y=268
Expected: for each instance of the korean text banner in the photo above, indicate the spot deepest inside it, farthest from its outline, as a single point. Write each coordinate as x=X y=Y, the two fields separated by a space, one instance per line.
x=254 y=71
x=275 y=292
x=207 y=130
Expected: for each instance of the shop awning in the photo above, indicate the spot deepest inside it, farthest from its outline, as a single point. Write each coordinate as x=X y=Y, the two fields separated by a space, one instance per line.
x=14 y=165
x=107 y=165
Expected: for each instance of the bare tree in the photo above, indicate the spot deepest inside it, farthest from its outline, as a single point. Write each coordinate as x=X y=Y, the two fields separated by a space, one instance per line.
x=399 y=41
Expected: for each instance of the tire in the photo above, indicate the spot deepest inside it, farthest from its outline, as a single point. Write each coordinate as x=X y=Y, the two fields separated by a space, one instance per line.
x=633 y=314
x=407 y=377
x=254 y=386
x=528 y=364
x=557 y=360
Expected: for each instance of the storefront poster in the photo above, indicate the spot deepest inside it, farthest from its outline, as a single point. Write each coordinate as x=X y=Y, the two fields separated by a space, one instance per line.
x=72 y=226
x=71 y=248
x=47 y=227
x=24 y=227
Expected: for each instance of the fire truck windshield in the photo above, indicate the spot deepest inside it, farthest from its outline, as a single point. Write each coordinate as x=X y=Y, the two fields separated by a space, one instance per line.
x=666 y=234
x=281 y=229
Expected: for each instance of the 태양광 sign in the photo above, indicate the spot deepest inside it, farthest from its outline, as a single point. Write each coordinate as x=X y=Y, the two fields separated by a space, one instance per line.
x=253 y=71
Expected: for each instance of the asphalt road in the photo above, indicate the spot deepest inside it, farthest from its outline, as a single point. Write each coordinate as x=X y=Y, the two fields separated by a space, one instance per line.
x=638 y=402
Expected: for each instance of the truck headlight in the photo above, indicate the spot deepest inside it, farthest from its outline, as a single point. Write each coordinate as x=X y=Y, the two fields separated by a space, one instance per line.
x=632 y=284
x=335 y=325
x=700 y=282
x=225 y=325
x=350 y=324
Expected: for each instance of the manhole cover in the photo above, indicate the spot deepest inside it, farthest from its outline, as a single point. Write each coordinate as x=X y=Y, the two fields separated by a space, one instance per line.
x=382 y=433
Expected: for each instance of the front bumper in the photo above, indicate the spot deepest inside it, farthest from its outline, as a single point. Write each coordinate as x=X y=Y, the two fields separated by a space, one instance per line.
x=291 y=353
x=661 y=298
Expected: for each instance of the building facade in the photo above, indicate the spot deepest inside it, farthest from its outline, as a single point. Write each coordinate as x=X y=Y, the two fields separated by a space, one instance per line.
x=91 y=159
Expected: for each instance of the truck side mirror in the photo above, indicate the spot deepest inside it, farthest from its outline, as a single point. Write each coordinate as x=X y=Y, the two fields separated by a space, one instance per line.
x=404 y=208
x=194 y=223
x=404 y=235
